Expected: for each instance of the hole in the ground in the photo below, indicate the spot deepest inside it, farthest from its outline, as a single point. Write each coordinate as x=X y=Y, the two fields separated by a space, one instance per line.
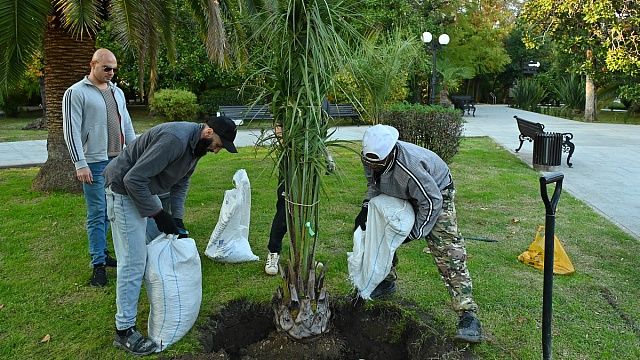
x=381 y=331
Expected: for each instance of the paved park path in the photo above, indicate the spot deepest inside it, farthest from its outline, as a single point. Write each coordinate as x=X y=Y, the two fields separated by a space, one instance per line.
x=605 y=172
x=606 y=164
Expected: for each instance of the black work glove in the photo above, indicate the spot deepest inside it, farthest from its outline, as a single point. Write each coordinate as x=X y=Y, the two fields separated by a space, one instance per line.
x=361 y=219
x=165 y=223
x=182 y=231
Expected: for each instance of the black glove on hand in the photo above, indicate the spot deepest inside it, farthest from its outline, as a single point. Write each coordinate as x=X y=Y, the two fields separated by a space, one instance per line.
x=361 y=219
x=183 y=232
x=165 y=223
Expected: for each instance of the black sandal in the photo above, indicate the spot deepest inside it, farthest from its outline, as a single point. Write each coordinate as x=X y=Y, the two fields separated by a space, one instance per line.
x=134 y=343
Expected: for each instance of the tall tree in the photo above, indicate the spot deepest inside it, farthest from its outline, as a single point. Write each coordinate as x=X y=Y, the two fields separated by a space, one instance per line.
x=477 y=39
x=300 y=45
x=66 y=29
x=603 y=36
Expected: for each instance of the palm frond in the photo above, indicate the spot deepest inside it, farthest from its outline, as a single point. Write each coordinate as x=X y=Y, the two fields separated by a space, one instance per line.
x=128 y=18
x=143 y=26
x=80 y=17
x=380 y=66
x=210 y=16
x=22 y=24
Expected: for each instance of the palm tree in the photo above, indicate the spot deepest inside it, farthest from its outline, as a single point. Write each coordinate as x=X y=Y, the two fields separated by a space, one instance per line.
x=301 y=48
x=381 y=68
x=452 y=77
x=66 y=29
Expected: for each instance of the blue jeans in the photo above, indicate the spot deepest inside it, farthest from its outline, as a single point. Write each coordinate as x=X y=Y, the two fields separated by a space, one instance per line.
x=97 y=221
x=129 y=240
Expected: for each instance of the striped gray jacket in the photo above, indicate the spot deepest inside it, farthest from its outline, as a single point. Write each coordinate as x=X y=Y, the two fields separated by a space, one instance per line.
x=84 y=122
x=418 y=175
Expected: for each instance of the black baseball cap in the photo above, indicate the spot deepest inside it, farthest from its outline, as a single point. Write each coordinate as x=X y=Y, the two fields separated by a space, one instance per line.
x=226 y=129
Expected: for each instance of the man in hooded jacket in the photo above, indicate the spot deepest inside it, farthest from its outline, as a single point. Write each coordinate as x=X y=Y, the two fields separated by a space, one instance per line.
x=410 y=172
x=160 y=161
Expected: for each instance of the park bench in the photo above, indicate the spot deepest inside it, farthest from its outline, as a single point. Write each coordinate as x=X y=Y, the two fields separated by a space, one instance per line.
x=343 y=111
x=239 y=113
x=464 y=103
x=529 y=130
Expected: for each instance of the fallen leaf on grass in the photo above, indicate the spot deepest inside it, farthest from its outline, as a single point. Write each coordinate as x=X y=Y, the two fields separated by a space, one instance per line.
x=1 y=306
x=46 y=339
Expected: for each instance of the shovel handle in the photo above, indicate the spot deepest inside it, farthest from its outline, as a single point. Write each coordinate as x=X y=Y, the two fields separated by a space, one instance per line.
x=552 y=177
x=550 y=204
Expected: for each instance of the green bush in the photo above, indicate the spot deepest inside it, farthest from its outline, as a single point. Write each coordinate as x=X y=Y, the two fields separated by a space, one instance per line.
x=630 y=96
x=175 y=104
x=436 y=128
x=570 y=91
x=528 y=93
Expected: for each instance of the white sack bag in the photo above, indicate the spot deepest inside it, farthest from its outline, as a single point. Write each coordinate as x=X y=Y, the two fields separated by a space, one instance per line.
x=173 y=279
x=229 y=241
x=389 y=222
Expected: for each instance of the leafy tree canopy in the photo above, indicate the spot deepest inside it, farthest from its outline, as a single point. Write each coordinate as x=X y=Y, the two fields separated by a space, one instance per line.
x=601 y=35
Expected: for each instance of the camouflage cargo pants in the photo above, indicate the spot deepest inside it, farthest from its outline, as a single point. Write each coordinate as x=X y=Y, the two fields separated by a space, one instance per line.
x=450 y=255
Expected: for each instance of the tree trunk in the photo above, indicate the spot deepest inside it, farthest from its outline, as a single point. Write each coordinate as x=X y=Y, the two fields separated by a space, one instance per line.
x=43 y=99
x=590 y=102
x=66 y=62
x=302 y=317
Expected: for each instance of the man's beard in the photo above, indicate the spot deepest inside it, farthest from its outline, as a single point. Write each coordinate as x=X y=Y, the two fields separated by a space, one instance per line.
x=202 y=147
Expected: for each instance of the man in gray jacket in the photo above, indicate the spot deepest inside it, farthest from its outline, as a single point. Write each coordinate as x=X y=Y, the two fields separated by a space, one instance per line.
x=407 y=171
x=96 y=126
x=160 y=161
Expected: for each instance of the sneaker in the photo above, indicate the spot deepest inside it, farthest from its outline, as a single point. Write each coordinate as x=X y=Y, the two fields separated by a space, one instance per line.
x=385 y=288
x=134 y=343
x=469 y=328
x=109 y=261
x=99 y=277
x=271 y=268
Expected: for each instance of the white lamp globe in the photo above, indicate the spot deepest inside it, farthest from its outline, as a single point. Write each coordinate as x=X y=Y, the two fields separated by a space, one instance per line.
x=426 y=37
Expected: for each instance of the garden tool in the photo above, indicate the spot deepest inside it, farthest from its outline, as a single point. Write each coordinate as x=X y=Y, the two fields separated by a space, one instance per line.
x=550 y=223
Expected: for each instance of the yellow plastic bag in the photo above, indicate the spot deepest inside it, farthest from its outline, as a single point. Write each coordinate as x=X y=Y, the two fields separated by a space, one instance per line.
x=534 y=256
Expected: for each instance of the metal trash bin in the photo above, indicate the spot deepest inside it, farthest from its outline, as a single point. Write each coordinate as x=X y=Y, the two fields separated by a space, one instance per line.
x=547 y=150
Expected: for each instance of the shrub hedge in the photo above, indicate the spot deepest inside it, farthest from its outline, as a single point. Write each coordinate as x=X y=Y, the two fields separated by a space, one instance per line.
x=436 y=128
x=175 y=104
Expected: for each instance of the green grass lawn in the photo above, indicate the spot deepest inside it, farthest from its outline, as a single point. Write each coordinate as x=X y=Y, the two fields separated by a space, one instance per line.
x=617 y=117
x=44 y=265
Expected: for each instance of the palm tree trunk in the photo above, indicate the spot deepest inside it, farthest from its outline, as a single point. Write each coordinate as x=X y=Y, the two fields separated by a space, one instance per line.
x=66 y=62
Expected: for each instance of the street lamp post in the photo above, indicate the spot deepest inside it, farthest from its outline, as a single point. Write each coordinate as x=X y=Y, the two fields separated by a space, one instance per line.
x=442 y=40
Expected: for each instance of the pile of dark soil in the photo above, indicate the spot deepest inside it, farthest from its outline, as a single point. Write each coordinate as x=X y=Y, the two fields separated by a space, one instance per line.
x=379 y=331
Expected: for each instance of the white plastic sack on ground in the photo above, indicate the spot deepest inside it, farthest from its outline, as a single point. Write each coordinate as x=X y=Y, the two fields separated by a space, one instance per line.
x=173 y=278
x=229 y=241
x=389 y=222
